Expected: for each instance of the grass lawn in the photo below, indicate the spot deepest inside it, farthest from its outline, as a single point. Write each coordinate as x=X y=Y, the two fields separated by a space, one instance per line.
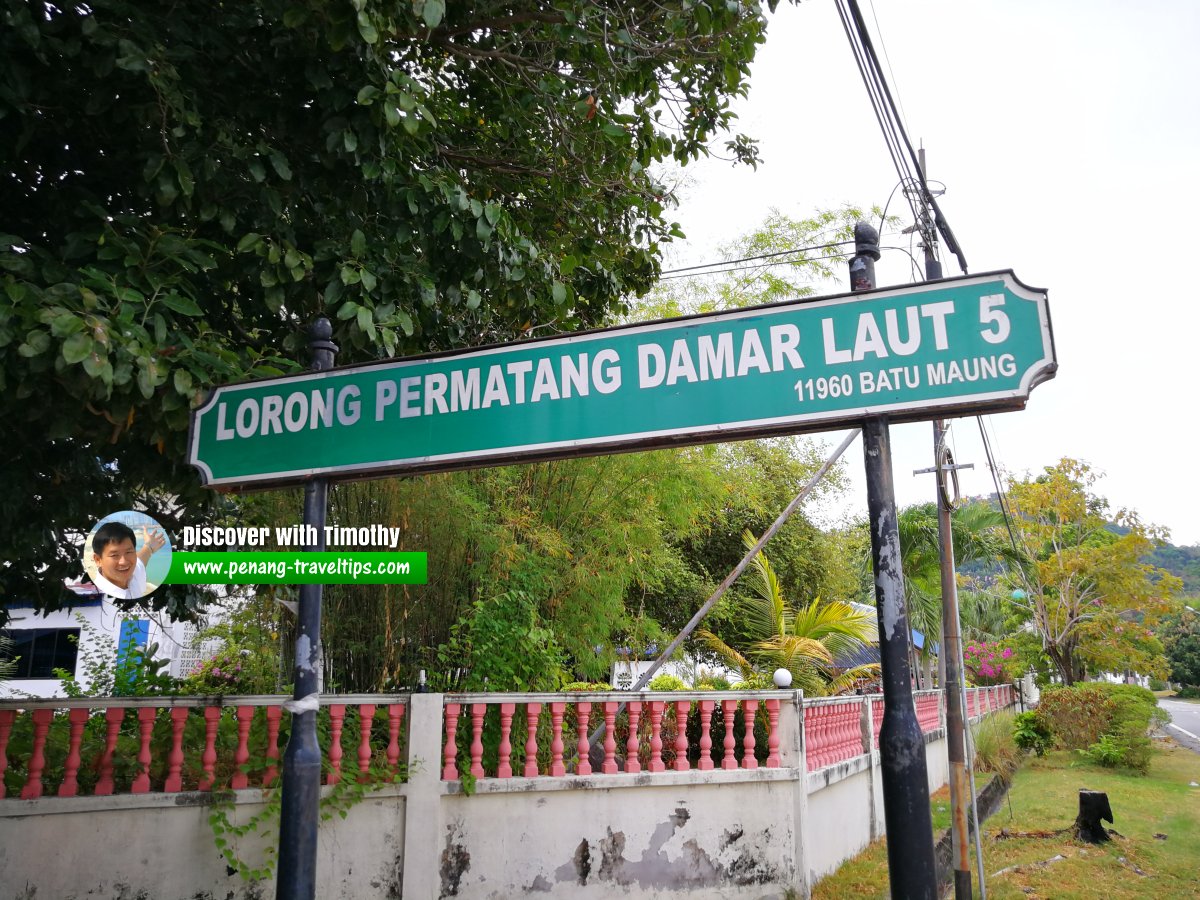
x=1044 y=798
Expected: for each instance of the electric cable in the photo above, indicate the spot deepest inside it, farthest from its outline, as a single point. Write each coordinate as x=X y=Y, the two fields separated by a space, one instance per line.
x=727 y=262
x=886 y=112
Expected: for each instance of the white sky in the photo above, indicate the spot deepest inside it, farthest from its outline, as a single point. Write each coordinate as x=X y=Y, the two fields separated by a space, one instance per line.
x=1068 y=136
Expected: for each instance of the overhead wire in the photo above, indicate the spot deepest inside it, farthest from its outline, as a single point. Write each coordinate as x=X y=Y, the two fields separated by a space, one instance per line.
x=904 y=158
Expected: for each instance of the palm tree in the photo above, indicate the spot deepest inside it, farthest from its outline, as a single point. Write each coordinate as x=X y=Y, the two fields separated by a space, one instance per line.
x=806 y=640
x=975 y=530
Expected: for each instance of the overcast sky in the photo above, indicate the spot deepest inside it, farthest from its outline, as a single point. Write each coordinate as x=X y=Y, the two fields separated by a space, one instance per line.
x=1068 y=137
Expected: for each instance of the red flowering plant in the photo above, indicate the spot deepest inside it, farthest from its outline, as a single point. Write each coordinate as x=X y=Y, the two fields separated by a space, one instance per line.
x=984 y=662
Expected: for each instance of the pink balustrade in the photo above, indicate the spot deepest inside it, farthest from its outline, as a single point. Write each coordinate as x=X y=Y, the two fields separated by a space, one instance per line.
x=633 y=733
x=833 y=732
x=178 y=744
x=147 y=739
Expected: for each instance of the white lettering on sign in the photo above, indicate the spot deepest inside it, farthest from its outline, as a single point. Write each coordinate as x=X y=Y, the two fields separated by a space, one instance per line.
x=869 y=338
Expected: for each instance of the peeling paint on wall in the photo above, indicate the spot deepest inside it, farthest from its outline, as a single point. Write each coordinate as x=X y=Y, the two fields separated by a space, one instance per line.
x=456 y=860
x=737 y=859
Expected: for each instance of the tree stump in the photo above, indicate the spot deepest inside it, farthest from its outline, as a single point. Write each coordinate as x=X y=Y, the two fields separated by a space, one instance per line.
x=1093 y=806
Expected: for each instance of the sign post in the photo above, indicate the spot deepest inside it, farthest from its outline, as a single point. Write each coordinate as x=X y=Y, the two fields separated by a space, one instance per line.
x=901 y=743
x=958 y=346
x=300 y=810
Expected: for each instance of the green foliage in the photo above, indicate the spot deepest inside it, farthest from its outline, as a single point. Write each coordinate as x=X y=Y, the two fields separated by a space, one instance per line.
x=430 y=175
x=138 y=673
x=805 y=640
x=248 y=661
x=1157 y=684
x=803 y=251
x=263 y=826
x=1092 y=600
x=1031 y=732
x=1105 y=722
x=1181 y=642
x=995 y=745
x=504 y=647
x=1190 y=692
x=586 y=687
x=1126 y=747
x=665 y=682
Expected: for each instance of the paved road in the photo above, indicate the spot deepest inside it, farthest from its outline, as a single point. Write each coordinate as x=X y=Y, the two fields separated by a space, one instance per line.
x=1185 y=721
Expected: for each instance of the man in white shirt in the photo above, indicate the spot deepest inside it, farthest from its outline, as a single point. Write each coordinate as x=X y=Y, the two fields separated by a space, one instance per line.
x=121 y=568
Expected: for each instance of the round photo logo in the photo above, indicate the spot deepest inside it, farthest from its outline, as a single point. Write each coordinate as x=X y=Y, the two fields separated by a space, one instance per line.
x=127 y=555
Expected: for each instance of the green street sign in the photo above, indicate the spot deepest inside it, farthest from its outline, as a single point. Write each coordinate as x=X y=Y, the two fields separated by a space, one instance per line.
x=952 y=347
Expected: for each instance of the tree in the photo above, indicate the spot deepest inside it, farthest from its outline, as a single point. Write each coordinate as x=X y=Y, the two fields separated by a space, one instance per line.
x=974 y=529
x=1091 y=598
x=187 y=185
x=1181 y=641
x=806 y=640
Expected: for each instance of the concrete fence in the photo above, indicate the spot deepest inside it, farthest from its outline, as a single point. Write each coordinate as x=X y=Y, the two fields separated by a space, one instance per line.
x=731 y=794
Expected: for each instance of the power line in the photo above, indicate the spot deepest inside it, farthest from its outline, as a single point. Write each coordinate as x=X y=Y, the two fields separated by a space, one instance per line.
x=729 y=262
x=904 y=158
x=685 y=273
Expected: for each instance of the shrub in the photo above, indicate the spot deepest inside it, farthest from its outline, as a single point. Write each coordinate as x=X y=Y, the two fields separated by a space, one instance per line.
x=985 y=661
x=1105 y=722
x=1157 y=684
x=587 y=687
x=667 y=682
x=1189 y=692
x=1127 y=747
x=995 y=749
x=1030 y=732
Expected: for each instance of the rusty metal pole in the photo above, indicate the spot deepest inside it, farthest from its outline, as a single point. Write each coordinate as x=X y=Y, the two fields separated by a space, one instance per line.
x=951 y=653
x=909 y=822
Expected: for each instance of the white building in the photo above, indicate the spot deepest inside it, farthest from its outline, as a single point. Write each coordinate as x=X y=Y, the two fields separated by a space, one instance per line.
x=93 y=628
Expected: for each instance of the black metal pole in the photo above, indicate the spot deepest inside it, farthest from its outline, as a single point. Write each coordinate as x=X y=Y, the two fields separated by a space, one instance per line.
x=901 y=744
x=300 y=811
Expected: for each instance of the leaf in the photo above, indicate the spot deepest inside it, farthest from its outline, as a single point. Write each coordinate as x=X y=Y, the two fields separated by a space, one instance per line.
x=295 y=17
x=65 y=324
x=368 y=279
x=367 y=95
x=392 y=115
x=183 y=305
x=366 y=29
x=569 y=265
x=187 y=183
x=358 y=243
x=280 y=164
x=95 y=364
x=365 y=319
x=434 y=12
x=473 y=299
x=36 y=342
x=348 y=310
x=492 y=211
x=349 y=140
x=483 y=230
x=249 y=242
x=559 y=292
x=406 y=322
x=145 y=381
x=183 y=382
x=77 y=348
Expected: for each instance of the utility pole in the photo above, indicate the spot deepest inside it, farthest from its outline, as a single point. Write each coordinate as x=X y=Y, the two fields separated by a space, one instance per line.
x=301 y=800
x=909 y=824
x=952 y=652
x=951 y=649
